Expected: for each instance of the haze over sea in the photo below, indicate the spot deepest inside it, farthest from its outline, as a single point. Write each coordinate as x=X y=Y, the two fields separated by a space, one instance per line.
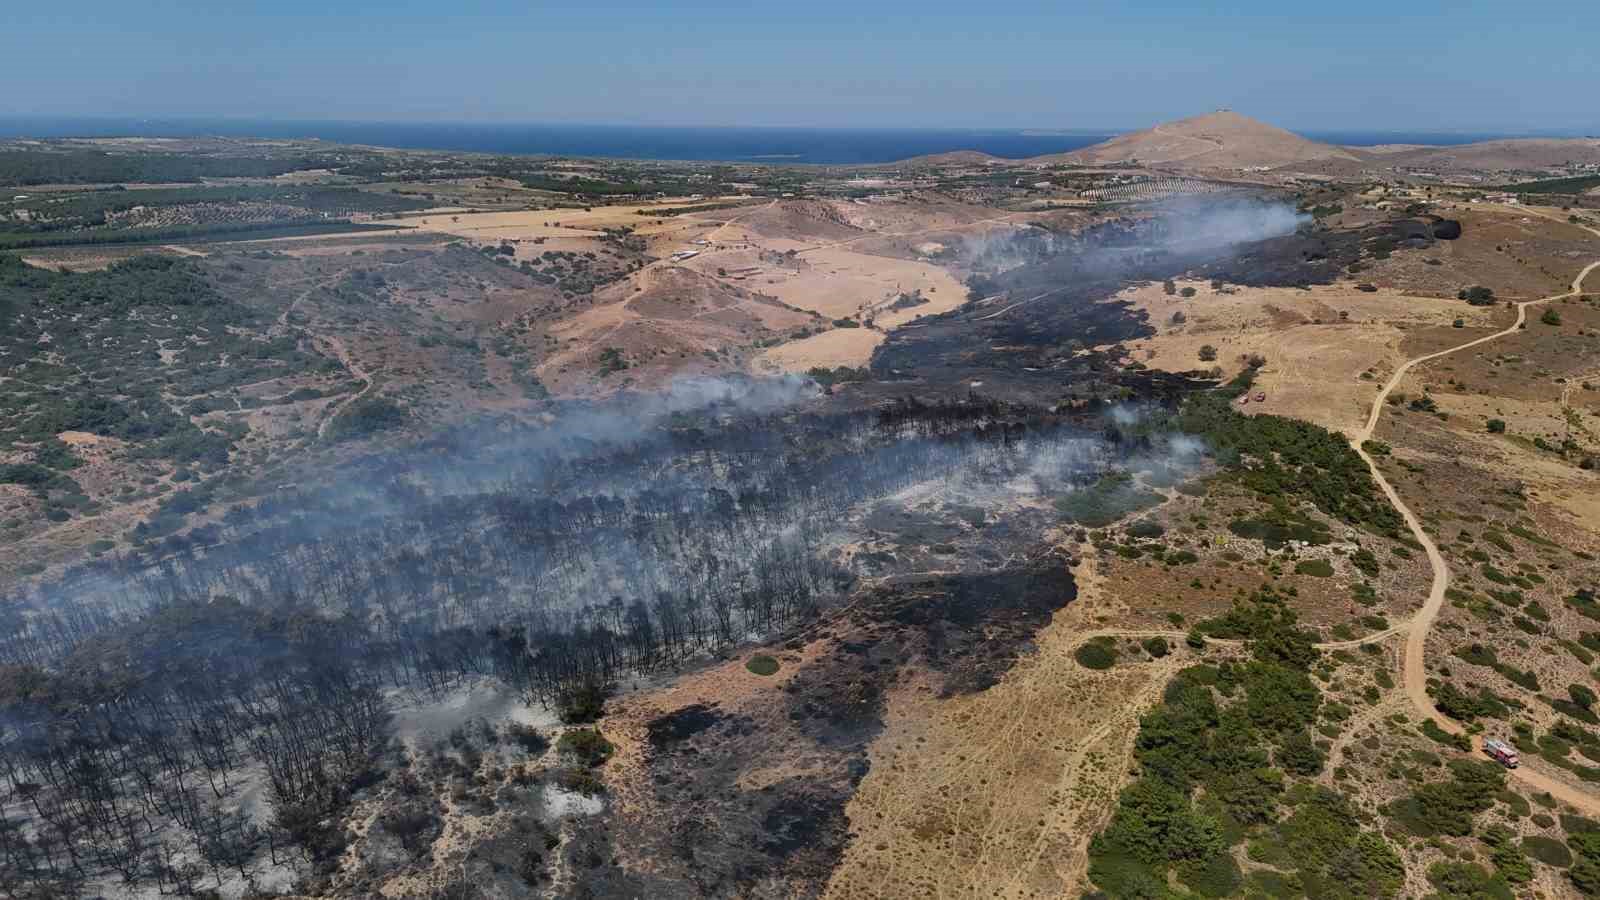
x=831 y=146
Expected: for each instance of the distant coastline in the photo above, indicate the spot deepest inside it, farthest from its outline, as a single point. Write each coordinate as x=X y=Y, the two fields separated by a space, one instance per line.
x=815 y=146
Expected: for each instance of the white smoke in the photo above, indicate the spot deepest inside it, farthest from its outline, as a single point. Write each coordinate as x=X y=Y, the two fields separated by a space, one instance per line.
x=1194 y=224
x=757 y=395
x=1124 y=415
x=1186 y=447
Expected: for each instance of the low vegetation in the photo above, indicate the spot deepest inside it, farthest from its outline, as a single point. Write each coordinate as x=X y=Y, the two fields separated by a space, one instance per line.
x=1283 y=459
x=1227 y=759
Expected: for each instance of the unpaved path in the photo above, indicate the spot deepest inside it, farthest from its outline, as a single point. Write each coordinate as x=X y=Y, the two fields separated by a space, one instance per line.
x=368 y=382
x=1413 y=671
x=337 y=347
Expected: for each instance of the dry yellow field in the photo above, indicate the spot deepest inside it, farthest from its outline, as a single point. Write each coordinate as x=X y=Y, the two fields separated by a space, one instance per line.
x=837 y=281
x=996 y=794
x=552 y=223
x=840 y=347
x=1314 y=357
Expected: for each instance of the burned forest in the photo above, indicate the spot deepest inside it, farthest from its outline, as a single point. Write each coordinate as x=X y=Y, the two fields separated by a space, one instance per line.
x=203 y=713
x=558 y=563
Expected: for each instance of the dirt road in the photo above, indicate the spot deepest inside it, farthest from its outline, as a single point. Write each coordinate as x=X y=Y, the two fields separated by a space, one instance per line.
x=1414 y=672
x=368 y=382
x=330 y=343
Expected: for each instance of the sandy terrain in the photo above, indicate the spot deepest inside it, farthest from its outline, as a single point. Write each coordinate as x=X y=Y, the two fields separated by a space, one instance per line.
x=997 y=793
x=838 y=281
x=665 y=319
x=840 y=347
x=1314 y=358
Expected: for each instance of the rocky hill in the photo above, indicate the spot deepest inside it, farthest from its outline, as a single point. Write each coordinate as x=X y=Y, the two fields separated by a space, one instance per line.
x=1219 y=140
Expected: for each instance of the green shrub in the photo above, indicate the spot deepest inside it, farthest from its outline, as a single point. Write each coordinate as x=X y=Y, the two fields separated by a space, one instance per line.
x=1517 y=806
x=1275 y=534
x=761 y=664
x=1467 y=881
x=1320 y=568
x=1365 y=562
x=1279 y=458
x=1510 y=862
x=586 y=745
x=1568 y=708
x=1549 y=851
x=1475 y=654
x=1144 y=528
x=1448 y=807
x=366 y=417
x=1585 y=875
x=1581 y=695
x=1464 y=707
x=1215 y=876
x=1432 y=730
x=1584 y=602
x=1156 y=646
x=582 y=704
x=580 y=780
x=1267 y=882
x=1096 y=655
x=1298 y=756
x=1108 y=500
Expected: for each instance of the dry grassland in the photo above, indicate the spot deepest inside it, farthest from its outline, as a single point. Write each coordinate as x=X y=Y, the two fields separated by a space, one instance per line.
x=840 y=347
x=1315 y=358
x=552 y=223
x=997 y=794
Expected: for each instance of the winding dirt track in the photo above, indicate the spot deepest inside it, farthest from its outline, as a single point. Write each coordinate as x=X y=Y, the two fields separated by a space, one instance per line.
x=1414 y=672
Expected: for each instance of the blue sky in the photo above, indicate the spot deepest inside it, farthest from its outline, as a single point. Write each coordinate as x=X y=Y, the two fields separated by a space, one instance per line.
x=1344 y=64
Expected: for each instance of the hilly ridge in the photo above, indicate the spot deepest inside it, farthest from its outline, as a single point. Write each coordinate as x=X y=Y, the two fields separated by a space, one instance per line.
x=1226 y=140
x=1222 y=139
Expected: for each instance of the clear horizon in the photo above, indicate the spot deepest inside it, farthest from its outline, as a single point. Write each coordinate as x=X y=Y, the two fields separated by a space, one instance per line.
x=728 y=144
x=1101 y=66
x=10 y=121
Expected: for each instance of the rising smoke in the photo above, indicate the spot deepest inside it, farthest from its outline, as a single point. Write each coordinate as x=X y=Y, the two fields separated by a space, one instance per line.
x=1186 y=226
x=620 y=536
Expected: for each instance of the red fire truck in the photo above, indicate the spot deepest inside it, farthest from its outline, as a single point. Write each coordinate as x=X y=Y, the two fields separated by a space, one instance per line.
x=1501 y=752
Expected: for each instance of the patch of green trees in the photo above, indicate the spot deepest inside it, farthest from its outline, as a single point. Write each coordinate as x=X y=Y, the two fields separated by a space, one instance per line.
x=1221 y=760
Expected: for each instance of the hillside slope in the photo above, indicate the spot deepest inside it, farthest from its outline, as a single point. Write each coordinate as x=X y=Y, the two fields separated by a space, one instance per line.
x=1216 y=140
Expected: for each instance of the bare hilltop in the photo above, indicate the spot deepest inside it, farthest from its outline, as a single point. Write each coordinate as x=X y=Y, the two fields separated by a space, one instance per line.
x=1218 y=140
x=1229 y=142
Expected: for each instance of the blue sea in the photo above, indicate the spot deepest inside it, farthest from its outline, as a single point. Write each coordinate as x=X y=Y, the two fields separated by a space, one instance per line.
x=826 y=146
